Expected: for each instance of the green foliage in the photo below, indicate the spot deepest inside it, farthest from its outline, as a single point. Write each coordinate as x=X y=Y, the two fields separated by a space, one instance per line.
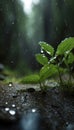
x=70 y=58
x=31 y=79
x=48 y=48
x=54 y=65
x=42 y=59
x=47 y=71
x=65 y=46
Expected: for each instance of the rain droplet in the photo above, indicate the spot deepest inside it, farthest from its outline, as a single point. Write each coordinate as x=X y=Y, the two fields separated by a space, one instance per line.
x=33 y=110
x=12 y=112
x=6 y=109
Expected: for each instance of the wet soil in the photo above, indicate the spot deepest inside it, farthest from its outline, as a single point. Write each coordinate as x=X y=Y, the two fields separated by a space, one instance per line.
x=53 y=109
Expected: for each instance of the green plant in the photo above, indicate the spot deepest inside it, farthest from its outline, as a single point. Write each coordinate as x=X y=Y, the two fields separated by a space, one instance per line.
x=56 y=63
x=66 y=56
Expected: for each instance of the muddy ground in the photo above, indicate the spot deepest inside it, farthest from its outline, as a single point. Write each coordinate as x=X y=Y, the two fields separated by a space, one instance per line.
x=50 y=110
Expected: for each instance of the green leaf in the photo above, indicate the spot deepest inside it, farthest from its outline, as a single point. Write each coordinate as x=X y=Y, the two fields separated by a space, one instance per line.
x=70 y=58
x=48 y=48
x=48 y=71
x=34 y=78
x=52 y=60
x=42 y=59
x=65 y=46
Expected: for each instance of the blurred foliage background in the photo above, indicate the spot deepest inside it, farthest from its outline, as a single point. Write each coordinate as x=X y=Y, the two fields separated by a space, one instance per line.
x=49 y=20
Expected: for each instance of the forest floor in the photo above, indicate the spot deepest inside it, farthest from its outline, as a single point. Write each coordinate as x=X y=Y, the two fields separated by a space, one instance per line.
x=50 y=110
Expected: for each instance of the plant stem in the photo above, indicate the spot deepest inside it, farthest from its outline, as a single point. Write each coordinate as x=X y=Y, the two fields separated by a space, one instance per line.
x=61 y=82
x=69 y=72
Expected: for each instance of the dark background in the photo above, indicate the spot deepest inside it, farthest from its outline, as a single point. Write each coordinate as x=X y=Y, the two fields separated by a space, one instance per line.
x=50 y=21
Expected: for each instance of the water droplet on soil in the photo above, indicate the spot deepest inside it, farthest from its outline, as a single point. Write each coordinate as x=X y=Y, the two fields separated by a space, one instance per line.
x=6 y=103
x=13 y=105
x=6 y=109
x=12 y=112
x=10 y=84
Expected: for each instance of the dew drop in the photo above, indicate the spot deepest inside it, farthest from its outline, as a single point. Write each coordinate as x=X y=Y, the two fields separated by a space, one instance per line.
x=41 y=50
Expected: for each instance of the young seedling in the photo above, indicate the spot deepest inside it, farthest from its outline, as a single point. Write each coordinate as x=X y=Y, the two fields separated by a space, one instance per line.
x=60 y=60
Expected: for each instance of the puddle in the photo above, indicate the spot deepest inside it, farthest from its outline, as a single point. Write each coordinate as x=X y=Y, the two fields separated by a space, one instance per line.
x=30 y=121
x=70 y=127
x=34 y=120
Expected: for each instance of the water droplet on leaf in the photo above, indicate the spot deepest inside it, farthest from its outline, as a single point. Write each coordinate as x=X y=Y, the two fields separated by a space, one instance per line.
x=41 y=50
